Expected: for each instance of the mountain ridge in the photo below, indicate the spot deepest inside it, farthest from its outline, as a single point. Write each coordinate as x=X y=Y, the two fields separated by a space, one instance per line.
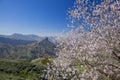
x=29 y=37
x=31 y=51
x=14 y=42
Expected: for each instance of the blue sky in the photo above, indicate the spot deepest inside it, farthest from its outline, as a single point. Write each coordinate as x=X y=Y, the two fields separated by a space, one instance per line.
x=41 y=17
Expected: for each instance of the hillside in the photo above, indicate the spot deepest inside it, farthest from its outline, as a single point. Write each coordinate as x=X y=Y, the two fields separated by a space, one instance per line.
x=14 y=42
x=45 y=48
x=20 y=70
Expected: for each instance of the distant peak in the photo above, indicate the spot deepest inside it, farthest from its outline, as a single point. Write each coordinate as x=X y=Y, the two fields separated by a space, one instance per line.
x=25 y=34
x=17 y=34
x=46 y=39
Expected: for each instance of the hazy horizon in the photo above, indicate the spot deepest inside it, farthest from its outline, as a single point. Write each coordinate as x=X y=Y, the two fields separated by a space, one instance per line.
x=40 y=34
x=52 y=35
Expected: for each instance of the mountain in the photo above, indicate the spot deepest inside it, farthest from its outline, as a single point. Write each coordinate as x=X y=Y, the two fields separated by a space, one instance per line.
x=30 y=37
x=17 y=36
x=45 y=48
x=31 y=51
x=14 y=42
x=52 y=39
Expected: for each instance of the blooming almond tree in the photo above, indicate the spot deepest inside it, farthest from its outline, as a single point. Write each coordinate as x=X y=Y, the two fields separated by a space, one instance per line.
x=92 y=50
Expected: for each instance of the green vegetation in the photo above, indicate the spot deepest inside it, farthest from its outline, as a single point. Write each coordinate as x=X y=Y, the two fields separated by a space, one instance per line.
x=20 y=70
x=42 y=61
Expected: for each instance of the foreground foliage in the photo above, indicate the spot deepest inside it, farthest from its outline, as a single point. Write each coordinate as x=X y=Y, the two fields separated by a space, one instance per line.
x=20 y=70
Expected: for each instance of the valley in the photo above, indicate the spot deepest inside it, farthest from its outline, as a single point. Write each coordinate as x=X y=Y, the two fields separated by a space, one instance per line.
x=23 y=59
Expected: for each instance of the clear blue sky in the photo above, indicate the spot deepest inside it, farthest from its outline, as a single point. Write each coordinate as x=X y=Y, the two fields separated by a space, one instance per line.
x=41 y=17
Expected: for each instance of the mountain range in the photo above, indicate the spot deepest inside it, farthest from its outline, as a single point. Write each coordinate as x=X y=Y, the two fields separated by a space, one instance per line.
x=17 y=36
x=29 y=47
